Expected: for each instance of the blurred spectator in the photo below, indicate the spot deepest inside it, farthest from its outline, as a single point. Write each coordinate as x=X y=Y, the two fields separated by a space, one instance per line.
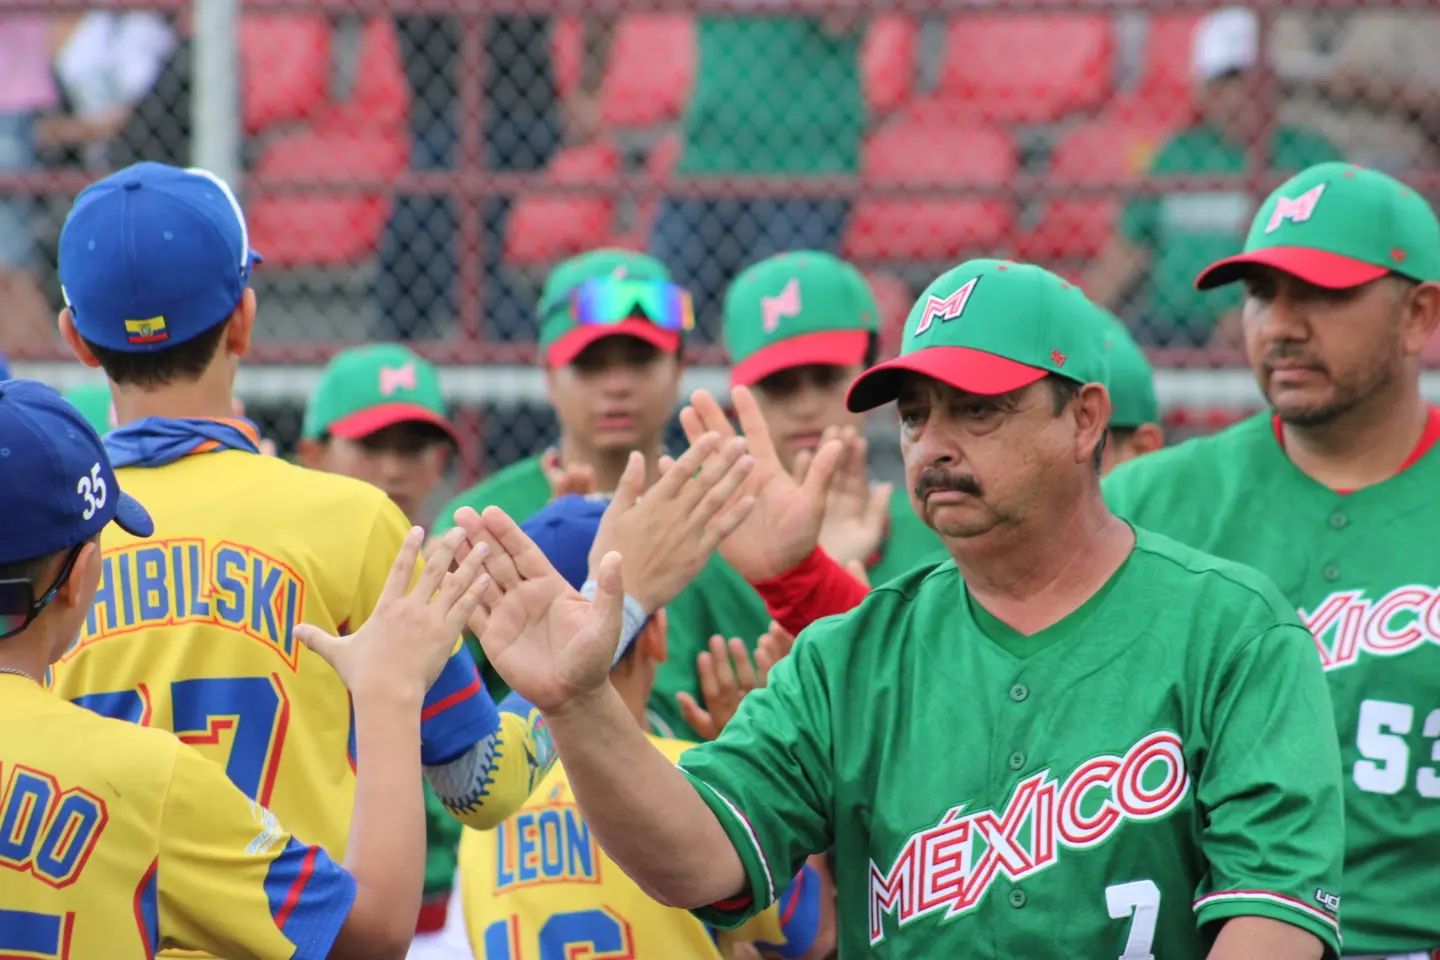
x=416 y=288
x=774 y=96
x=106 y=64
x=1168 y=239
x=1367 y=79
x=26 y=90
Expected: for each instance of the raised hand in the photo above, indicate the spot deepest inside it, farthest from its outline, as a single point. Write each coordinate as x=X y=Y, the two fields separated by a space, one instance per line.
x=857 y=512
x=550 y=644
x=568 y=478
x=667 y=535
x=773 y=646
x=404 y=644
x=784 y=525
x=726 y=676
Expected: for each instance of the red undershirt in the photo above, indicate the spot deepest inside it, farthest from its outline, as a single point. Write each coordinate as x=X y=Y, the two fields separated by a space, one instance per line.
x=1428 y=437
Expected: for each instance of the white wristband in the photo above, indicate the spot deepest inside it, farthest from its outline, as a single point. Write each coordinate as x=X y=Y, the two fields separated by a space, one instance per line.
x=634 y=620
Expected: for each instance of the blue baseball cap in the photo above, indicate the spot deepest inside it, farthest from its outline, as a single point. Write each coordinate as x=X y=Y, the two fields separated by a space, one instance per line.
x=565 y=530
x=152 y=256
x=60 y=489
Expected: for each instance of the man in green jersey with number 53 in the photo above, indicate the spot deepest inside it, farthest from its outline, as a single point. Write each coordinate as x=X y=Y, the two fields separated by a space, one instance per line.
x=1073 y=738
x=1333 y=494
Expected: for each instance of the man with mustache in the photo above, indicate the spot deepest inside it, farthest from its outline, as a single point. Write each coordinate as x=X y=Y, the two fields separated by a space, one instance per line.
x=1332 y=493
x=1048 y=745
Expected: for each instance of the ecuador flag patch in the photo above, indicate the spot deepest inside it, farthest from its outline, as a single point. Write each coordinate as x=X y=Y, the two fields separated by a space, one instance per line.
x=146 y=331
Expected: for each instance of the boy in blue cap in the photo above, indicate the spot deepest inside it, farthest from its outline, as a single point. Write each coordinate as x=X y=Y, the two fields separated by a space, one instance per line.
x=155 y=263
x=126 y=839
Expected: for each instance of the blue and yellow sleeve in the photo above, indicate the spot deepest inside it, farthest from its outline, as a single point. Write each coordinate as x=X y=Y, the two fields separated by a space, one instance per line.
x=491 y=781
x=230 y=880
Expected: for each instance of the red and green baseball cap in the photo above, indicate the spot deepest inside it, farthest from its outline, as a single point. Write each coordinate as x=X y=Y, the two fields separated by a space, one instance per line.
x=796 y=309
x=1337 y=225
x=609 y=293
x=1132 y=380
x=365 y=389
x=989 y=327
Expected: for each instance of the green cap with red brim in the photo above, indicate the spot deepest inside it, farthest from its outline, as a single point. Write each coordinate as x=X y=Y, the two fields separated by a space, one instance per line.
x=797 y=309
x=365 y=389
x=989 y=327
x=562 y=334
x=1336 y=225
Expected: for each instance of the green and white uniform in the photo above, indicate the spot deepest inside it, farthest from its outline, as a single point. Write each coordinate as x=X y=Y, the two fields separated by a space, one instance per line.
x=1158 y=761
x=1360 y=567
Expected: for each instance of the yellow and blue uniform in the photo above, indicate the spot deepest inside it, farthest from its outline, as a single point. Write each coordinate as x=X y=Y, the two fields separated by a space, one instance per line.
x=192 y=630
x=539 y=887
x=120 y=841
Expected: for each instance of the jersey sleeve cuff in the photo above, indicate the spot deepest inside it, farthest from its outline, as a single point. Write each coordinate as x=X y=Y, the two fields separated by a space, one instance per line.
x=760 y=884
x=1227 y=904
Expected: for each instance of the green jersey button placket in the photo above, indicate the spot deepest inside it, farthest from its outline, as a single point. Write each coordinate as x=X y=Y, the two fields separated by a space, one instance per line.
x=1019 y=693
x=1017 y=761
x=1018 y=898
x=1330 y=572
x=1338 y=520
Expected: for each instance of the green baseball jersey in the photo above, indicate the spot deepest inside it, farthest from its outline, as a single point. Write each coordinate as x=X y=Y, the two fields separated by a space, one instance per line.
x=773 y=94
x=717 y=601
x=1363 y=572
x=1119 y=783
x=519 y=489
x=908 y=544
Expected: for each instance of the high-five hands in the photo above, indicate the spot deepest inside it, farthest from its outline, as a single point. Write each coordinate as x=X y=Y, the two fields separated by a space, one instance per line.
x=784 y=525
x=667 y=533
x=550 y=644
x=404 y=643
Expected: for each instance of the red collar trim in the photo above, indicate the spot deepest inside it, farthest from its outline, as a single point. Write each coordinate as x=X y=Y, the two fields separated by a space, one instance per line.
x=1428 y=438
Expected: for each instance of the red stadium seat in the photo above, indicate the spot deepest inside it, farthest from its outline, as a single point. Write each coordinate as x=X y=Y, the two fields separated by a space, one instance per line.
x=648 y=73
x=1108 y=149
x=1027 y=69
x=659 y=166
x=544 y=229
x=284 y=68
x=381 y=94
x=887 y=61
x=926 y=147
x=364 y=137
x=1165 y=85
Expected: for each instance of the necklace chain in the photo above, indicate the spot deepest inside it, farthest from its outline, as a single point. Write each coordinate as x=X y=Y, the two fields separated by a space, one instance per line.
x=16 y=671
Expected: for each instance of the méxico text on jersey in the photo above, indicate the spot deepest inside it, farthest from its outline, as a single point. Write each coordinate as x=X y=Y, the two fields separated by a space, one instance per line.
x=949 y=866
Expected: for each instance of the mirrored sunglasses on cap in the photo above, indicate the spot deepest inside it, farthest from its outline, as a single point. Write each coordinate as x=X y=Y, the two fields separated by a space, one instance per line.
x=18 y=606
x=606 y=301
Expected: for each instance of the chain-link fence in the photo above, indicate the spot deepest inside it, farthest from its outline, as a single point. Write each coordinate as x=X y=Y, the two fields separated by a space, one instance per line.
x=412 y=168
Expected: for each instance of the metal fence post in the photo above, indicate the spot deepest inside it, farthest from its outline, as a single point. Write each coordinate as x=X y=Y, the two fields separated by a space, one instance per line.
x=215 y=93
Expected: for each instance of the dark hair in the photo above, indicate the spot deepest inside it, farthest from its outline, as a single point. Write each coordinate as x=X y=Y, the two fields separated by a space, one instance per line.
x=872 y=351
x=1121 y=434
x=1062 y=391
x=182 y=363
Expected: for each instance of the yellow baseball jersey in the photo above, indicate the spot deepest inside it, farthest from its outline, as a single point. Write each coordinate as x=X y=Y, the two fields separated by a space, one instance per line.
x=192 y=630
x=119 y=841
x=539 y=887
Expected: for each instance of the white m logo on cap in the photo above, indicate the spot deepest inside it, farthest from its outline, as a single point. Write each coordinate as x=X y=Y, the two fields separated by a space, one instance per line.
x=946 y=309
x=1296 y=210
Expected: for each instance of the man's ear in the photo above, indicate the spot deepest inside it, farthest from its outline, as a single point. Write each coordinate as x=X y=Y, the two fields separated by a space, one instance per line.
x=72 y=338
x=241 y=325
x=1422 y=316
x=1147 y=438
x=1092 y=416
x=656 y=637
x=312 y=453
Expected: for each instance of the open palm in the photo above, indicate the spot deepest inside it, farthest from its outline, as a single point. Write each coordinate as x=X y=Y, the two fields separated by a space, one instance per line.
x=546 y=641
x=784 y=525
